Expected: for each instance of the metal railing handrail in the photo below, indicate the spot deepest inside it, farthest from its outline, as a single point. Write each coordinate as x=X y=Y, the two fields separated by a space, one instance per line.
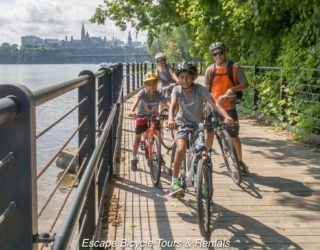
x=100 y=95
x=63 y=238
x=278 y=67
x=8 y=109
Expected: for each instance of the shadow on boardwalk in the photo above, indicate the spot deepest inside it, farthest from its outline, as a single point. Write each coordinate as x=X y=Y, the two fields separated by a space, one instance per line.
x=276 y=207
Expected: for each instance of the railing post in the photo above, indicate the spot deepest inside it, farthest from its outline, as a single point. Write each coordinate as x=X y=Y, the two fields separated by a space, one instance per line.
x=18 y=181
x=152 y=67
x=133 y=67
x=141 y=74
x=283 y=96
x=255 y=91
x=145 y=69
x=137 y=75
x=87 y=132
x=127 y=78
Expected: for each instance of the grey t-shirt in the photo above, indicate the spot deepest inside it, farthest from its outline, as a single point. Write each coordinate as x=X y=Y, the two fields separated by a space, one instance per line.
x=149 y=104
x=191 y=104
x=165 y=77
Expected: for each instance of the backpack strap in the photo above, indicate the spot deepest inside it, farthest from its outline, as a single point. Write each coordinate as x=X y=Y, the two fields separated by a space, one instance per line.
x=212 y=74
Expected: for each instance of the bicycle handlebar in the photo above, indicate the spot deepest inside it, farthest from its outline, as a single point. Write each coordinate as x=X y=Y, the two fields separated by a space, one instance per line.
x=150 y=116
x=224 y=97
x=170 y=86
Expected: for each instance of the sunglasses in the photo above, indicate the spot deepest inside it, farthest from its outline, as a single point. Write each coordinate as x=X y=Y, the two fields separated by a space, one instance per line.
x=160 y=60
x=221 y=53
x=150 y=84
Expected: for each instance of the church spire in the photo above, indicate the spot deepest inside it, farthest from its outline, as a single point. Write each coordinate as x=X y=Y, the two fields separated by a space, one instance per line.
x=129 y=43
x=83 y=33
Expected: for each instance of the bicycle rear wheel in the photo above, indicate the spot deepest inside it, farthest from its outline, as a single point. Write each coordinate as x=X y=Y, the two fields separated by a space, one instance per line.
x=154 y=160
x=166 y=137
x=229 y=156
x=204 y=195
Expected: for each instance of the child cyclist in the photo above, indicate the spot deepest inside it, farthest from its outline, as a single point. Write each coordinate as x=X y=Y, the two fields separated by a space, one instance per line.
x=190 y=97
x=147 y=103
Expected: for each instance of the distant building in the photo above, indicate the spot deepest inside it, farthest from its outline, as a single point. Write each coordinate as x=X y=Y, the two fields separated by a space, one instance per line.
x=129 y=42
x=53 y=42
x=85 y=41
x=32 y=40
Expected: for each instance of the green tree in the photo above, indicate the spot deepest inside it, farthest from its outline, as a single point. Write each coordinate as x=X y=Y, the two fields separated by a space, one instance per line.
x=8 y=53
x=273 y=33
x=175 y=44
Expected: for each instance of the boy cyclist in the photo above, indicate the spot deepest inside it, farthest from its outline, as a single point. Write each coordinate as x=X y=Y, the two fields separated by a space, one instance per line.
x=190 y=98
x=147 y=103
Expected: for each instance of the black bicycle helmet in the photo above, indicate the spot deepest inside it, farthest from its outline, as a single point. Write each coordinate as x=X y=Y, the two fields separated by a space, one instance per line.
x=187 y=66
x=217 y=45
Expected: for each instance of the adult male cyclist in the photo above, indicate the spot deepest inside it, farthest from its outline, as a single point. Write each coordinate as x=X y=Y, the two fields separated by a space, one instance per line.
x=225 y=77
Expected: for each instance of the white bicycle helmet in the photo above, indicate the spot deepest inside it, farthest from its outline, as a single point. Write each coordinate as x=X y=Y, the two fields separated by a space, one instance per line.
x=160 y=55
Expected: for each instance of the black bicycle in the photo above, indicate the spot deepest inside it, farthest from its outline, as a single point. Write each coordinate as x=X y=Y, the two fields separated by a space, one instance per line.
x=196 y=171
x=166 y=135
x=228 y=151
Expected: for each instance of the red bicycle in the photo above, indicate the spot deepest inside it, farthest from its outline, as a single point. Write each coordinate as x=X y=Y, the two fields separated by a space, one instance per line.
x=152 y=145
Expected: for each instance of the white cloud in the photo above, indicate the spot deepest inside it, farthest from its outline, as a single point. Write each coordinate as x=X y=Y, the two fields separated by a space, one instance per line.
x=53 y=19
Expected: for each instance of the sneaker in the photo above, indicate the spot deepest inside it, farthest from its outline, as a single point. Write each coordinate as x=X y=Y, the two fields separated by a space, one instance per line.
x=176 y=189
x=134 y=166
x=244 y=170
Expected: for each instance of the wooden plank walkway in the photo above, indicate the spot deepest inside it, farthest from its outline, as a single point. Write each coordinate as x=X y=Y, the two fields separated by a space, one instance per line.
x=276 y=207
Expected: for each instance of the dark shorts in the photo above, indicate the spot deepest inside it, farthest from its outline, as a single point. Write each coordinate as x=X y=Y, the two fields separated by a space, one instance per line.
x=143 y=128
x=233 y=131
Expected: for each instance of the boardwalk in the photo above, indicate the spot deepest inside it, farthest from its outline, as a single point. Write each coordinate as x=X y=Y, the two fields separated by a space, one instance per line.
x=276 y=207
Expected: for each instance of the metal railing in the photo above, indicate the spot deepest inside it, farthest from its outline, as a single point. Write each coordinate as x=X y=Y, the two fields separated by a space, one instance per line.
x=99 y=106
x=295 y=96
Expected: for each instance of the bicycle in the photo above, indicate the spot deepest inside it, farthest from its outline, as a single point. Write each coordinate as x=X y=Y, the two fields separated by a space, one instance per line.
x=227 y=149
x=165 y=139
x=152 y=148
x=196 y=170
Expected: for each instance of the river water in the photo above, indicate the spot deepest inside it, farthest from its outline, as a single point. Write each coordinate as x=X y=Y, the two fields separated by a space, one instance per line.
x=37 y=77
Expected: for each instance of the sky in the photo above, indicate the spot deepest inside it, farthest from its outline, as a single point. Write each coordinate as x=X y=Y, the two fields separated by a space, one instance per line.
x=54 y=19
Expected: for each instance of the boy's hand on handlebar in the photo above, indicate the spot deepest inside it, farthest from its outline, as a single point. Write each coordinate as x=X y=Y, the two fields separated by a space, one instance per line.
x=171 y=124
x=228 y=121
x=132 y=114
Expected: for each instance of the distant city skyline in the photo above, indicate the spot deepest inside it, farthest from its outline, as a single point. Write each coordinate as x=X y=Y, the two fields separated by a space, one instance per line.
x=86 y=40
x=54 y=19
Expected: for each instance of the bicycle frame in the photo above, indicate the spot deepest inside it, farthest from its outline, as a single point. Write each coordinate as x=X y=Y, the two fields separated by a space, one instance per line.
x=149 y=134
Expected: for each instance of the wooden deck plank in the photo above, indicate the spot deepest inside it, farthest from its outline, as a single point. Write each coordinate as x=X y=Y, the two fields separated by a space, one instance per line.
x=276 y=207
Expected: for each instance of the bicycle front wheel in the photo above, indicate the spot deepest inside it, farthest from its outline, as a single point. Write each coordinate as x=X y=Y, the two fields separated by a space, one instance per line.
x=229 y=156
x=204 y=195
x=166 y=137
x=154 y=160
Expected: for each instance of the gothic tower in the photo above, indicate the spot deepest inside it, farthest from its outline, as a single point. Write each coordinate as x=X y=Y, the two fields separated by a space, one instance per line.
x=83 y=33
x=129 y=44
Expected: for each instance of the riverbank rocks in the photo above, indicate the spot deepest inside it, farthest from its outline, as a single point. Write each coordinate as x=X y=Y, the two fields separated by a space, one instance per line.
x=65 y=158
